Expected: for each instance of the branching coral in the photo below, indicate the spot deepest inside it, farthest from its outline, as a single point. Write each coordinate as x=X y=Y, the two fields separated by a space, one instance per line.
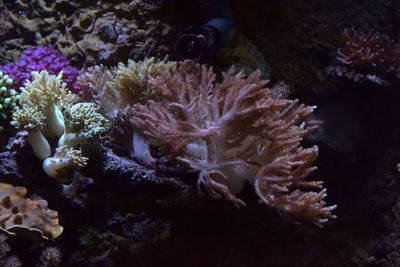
x=368 y=49
x=20 y=212
x=233 y=131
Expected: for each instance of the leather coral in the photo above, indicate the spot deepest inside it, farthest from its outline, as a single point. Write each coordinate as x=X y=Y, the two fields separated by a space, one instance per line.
x=235 y=131
x=17 y=211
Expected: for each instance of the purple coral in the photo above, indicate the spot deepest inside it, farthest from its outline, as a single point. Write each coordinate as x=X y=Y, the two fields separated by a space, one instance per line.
x=41 y=58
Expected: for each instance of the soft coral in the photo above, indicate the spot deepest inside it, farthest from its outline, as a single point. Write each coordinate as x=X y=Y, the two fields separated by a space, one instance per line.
x=235 y=131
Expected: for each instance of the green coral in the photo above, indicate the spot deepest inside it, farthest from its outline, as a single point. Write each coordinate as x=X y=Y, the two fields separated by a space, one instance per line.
x=8 y=100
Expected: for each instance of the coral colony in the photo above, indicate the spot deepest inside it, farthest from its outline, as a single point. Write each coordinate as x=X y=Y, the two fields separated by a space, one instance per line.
x=229 y=132
x=47 y=111
x=232 y=132
x=192 y=130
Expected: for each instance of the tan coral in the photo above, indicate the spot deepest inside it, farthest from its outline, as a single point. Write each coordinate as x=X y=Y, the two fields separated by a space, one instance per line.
x=235 y=131
x=114 y=90
x=20 y=212
x=130 y=81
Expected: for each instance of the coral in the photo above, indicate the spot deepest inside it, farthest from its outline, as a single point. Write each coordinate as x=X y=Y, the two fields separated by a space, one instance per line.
x=364 y=56
x=8 y=100
x=234 y=131
x=51 y=257
x=114 y=90
x=16 y=147
x=20 y=212
x=4 y=247
x=120 y=133
x=123 y=87
x=130 y=82
x=280 y=90
x=293 y=40
x=371 y=49
x=48 y=112
x=12 y=261
x=83 y=125
x=42 y=101
x=37 y=59
x=48 y=94
x=93 y=82
x=64 y=162
x=5 y=24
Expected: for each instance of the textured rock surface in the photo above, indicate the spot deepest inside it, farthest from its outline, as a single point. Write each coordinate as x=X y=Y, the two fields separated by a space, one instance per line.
x=88 y=32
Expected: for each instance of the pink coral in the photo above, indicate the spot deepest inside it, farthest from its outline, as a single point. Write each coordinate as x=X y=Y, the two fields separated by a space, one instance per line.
x=235 y=131
x=368 y=49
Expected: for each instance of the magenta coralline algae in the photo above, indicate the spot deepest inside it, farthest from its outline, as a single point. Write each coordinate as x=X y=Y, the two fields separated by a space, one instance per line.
x=41 y=58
